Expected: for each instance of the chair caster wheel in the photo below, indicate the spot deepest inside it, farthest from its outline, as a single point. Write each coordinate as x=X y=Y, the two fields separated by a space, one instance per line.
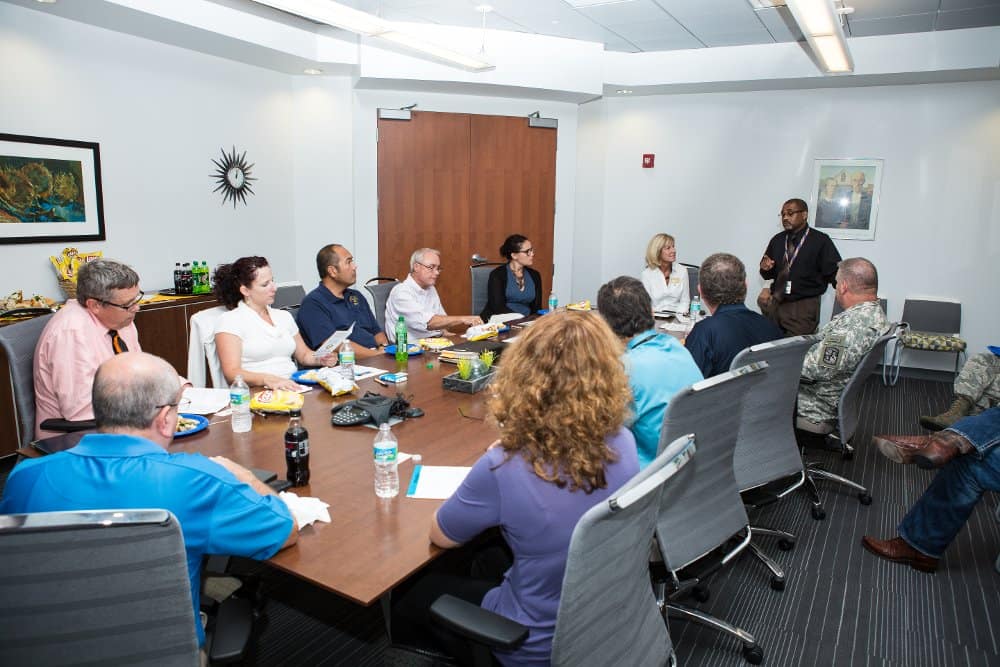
x=847 y=456
x=753 y=654
x=786 y=545
x=701 y=593
x=777 y=584
x=818 y=513
x=865 y=498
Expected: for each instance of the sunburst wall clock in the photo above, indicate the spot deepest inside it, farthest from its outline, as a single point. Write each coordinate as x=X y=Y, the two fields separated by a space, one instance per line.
x=232 y=173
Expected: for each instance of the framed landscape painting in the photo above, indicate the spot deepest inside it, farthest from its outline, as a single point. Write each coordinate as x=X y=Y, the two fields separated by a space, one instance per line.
x=50 y=190
x=845 y=197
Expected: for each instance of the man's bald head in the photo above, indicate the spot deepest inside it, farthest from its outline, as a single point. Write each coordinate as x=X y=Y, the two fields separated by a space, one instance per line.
x=131 y=388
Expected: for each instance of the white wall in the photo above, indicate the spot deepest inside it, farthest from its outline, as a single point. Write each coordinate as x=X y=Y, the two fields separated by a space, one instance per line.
x=725 y=162
x=160 y=114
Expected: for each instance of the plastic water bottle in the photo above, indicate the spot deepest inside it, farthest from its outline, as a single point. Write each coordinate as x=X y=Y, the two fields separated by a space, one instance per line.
x=239 y=399
x=386 y=473
x=402 y=355
x=695 y=308
x=553 y=301
x=346 y=356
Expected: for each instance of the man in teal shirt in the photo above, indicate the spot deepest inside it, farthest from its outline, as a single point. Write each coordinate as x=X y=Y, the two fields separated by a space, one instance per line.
x=658 y=366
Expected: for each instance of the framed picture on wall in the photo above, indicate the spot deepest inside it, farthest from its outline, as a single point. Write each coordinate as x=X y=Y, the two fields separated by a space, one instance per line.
x=845 y=197
x=50 y=190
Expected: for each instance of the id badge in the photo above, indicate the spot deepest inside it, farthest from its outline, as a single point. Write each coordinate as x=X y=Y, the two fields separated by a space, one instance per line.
x=788 y=287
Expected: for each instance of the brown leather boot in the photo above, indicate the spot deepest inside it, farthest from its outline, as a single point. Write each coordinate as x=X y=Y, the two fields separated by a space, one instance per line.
x=898 y=551
x=924 y=451
x=960 y=407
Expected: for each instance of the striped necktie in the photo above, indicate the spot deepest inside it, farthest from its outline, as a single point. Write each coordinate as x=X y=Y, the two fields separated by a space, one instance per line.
x=117 y=344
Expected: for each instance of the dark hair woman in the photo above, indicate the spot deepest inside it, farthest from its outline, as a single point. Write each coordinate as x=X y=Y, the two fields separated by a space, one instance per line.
x=514 y=287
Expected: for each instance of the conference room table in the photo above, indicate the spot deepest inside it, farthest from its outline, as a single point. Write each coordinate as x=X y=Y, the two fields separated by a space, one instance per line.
x=371 y=544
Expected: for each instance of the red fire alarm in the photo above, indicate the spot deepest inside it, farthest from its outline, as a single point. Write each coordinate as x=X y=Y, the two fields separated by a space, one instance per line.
x=647 y=160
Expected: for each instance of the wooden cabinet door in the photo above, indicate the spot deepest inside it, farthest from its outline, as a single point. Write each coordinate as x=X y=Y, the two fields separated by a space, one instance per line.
x=462 y=183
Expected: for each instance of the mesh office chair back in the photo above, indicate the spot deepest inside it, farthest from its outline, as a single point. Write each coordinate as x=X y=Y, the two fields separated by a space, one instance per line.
x=703 y=508
x=766 y=449
x=608 y=614
x=849 y=408
x=379 y=287
x=102 y=587
x=18 y=342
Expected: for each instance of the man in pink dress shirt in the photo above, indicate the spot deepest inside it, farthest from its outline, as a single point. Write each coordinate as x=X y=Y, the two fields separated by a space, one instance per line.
x=84 y=333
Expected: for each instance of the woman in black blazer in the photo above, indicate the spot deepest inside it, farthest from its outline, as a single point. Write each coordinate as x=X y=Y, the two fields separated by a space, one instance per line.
x=514 y=287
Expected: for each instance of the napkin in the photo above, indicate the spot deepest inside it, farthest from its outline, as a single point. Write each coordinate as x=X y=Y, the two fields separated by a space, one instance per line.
x=306 y=510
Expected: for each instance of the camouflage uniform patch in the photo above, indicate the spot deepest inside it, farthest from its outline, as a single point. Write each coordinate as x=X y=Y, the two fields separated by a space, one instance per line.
x=845 y=340
x=979 y=380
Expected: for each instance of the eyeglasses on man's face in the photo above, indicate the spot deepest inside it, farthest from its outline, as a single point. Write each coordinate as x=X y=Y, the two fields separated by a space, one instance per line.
x=134 y=303
x=181 y=404
x=789 y=214
x=436 y=268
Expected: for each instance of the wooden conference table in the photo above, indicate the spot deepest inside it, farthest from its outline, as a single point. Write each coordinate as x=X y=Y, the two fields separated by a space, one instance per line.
x=371 y=544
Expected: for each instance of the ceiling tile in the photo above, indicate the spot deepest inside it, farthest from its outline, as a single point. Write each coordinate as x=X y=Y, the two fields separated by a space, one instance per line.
x=649 y=30
x=892 y=26
x=969 y=18
x=780 y=24
x=632 y=11
x=717 y=16
x=948 y=5
x=737 y=38
x=879 y=9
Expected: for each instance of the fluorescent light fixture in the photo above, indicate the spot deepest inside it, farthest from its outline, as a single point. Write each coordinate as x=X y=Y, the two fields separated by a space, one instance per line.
x=348 y=18
x=440 y=52
x=332 y=13
x=312 y=70
x=623 y=91
x=820 y=24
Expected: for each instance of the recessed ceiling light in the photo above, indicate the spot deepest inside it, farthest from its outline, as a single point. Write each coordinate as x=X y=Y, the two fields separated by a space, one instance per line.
x=312 y=70
x=47 y=2
x=766 y=4
x=485 y=9
x=623 y=91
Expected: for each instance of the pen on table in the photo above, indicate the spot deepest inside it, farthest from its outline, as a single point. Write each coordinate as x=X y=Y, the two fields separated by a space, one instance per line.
x=381 y=382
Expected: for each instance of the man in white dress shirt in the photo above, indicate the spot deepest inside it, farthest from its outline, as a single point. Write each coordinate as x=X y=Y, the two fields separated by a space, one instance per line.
x=416 y=299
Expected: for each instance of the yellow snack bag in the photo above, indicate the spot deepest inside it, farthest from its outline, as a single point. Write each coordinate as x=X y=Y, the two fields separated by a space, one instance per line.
x=276 y=400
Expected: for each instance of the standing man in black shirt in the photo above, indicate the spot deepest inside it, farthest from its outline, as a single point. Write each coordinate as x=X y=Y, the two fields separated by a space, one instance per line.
x=802 y=261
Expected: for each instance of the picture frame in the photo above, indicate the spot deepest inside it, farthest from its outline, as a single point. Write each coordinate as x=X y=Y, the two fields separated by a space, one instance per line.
x=50 y=190
x=845 y=197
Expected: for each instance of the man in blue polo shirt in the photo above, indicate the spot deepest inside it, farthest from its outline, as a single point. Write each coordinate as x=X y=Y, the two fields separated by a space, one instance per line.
x=658 y=366
x=333 y=305
x=221 y=507
x=715 y=341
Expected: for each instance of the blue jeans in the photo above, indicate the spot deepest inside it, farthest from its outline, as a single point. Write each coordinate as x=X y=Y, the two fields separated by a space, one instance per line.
x=934 y=521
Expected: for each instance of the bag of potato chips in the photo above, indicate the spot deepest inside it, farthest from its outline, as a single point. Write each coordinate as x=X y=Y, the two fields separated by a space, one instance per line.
x=276 y=401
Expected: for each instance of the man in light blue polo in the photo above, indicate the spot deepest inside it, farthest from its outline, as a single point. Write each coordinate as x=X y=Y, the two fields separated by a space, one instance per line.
x=221 y=507
x=657 y=364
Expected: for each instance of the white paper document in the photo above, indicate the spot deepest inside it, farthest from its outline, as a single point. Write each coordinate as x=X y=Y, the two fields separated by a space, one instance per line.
x=205 y=401
x=436 y=482
x=365 y=372
x=333 y=343
x=502 y=318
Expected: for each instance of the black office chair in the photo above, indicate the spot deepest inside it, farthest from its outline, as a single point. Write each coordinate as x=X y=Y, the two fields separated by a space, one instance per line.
x=102 y=587
x=607 y=613
x=693 y=273
x=480 y=274
x=379 y=287
x=289 y=296
x=18 y=342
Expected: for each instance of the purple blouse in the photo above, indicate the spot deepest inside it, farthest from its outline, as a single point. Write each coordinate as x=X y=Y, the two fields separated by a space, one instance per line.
x=537 y=519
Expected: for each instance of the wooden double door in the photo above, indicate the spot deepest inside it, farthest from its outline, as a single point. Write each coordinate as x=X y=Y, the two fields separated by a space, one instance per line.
x=462 y=183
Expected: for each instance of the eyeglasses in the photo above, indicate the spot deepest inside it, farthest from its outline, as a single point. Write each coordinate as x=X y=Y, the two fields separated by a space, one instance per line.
x=180 y=404
x=528 y=251
x=127 y=306
x=437 y=268
x=790 y=213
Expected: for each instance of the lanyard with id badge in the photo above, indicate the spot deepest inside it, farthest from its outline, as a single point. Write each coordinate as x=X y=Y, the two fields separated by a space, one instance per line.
x=789 y=261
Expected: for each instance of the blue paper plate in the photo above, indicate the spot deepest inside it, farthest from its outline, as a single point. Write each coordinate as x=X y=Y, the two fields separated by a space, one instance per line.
x=202 y=425
x=994 y=349
x=412 y=350
x=299 y=376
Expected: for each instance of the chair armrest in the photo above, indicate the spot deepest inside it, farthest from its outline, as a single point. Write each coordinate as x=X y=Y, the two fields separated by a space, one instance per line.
x=66 y=426
x=478 y=624
x=231 y=634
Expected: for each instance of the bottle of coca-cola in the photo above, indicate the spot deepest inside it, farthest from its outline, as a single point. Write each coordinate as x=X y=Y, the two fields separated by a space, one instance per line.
x=297 y=450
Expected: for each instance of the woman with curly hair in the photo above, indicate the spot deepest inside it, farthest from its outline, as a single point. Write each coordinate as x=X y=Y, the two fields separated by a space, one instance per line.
x=560 y=402
x=253 y=339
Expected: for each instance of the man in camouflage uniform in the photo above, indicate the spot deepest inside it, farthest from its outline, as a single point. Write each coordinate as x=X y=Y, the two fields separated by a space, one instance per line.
x=977 y=388
x=844 y=341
